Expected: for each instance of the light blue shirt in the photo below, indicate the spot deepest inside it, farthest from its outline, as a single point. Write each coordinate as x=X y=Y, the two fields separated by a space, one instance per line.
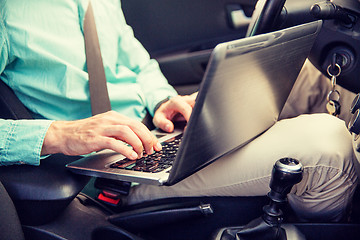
x=43 y=60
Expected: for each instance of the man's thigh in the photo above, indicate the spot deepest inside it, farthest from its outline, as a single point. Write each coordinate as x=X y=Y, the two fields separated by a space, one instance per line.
x=318 y=139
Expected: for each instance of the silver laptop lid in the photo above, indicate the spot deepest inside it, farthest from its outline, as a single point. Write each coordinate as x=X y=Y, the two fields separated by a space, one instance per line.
x=244 y=90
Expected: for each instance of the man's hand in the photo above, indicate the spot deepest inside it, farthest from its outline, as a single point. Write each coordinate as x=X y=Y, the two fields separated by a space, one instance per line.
x=104 y=131
x=176 y=109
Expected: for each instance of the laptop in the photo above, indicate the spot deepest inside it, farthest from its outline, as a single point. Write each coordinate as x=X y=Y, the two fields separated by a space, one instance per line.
x=243 y=91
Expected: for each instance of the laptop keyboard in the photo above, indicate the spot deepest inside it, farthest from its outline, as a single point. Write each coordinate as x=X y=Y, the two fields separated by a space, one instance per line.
x=156 y=162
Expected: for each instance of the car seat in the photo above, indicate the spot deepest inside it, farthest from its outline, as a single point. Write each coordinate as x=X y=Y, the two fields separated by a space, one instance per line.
x=10 y=227
x=49 y=183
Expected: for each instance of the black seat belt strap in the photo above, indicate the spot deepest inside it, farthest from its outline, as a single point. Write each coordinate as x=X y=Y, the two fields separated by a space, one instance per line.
x=99 y=95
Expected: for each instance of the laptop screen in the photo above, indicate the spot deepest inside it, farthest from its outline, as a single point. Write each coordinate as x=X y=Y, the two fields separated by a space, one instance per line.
x=243 y=92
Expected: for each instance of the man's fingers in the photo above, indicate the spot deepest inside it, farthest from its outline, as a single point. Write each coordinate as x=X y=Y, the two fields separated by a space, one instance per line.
x=118 y=146
x=125 y=134
x=179 y=105
x=190 y=99
x=185 y=110
x=149 y=141
x=164 y=123
x=168 y=112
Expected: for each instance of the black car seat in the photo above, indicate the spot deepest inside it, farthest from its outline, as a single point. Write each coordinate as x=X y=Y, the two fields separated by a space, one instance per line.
x=10 y=227
x=10 y=105
x=39 y=193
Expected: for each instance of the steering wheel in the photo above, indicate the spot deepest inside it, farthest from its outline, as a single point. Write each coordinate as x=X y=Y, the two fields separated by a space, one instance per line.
x=265 y=16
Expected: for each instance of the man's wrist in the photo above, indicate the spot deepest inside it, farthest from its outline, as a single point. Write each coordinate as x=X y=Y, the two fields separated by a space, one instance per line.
x=160 y=103
x=51 y=142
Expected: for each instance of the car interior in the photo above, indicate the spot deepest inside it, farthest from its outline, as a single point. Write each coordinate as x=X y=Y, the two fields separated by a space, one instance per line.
x=49 y=202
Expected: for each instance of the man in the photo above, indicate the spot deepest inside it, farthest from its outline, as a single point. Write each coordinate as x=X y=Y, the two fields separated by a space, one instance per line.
x=53 y=54
x=43 y=61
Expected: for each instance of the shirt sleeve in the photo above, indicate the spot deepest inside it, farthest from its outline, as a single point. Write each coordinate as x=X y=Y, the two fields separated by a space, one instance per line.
x=153 y=83
x=20 y=140
x=4 y=48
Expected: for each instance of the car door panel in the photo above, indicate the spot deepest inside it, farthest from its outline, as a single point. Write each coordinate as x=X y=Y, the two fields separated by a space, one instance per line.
x=192 y=66
x=180 y=34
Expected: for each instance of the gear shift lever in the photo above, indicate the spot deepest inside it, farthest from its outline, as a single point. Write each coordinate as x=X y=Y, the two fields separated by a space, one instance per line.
x=286 y=173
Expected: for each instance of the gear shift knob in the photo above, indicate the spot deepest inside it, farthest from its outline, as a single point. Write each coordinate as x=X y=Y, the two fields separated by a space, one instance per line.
x=286 y=173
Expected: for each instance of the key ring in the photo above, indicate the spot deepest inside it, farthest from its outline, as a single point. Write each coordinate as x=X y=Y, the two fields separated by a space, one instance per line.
x=334 y=75
x=333 y=98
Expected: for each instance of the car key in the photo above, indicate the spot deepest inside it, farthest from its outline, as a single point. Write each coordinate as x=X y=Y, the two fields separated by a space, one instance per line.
x=333 y=107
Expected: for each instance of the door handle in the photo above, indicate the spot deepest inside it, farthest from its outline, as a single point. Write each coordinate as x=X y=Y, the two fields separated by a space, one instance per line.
x=237 y=17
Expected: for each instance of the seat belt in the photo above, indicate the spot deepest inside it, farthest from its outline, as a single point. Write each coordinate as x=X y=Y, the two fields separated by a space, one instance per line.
x=99 y=96
x=100 y=103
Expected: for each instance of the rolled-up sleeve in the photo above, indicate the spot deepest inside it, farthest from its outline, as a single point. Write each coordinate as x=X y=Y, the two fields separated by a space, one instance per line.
x=21 y=141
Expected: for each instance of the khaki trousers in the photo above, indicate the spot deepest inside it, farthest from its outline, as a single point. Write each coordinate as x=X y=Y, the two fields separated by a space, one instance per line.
x=321 y=142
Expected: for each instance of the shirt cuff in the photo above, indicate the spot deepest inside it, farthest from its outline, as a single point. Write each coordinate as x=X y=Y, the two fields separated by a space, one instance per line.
x=161 y=102
x=22 y=141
